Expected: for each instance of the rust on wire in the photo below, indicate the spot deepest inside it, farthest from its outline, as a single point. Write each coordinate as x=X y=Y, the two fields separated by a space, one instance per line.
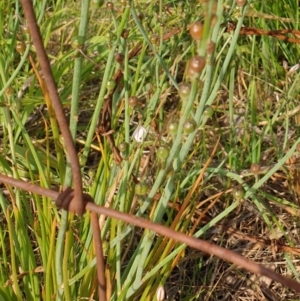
x=193 y=242
x=56 y=103
x=65 y=200
x=198 y=244
x=99 y=256
x=71 y=200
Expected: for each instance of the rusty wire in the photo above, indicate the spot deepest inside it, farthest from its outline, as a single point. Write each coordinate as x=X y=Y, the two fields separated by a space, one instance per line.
x=77 y=202
x=56 y=103
x=69 y=200
x=202 y=245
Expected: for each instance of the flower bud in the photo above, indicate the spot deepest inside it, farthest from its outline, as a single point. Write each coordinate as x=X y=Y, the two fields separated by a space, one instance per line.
x=196 y=30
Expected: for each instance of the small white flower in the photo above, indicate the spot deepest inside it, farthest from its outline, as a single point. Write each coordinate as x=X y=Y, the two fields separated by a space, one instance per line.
x=294 y=69
x=160 y=293
x=139 y=133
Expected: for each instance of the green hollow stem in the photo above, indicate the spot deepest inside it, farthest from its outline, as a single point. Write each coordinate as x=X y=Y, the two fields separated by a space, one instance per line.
x=204 y=101
x=145 y=36
x=228 y=58
x=215 y=170
x=17 y=70
x=178 y=159
x=162 y=173
x=59 y=263
x=147 y=240
x=108 y=67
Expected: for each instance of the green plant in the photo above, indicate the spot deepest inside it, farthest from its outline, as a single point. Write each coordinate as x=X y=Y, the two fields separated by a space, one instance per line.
x=125 y=69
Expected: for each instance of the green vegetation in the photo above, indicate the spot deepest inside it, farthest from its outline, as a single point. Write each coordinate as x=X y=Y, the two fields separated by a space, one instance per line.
x=178 y=119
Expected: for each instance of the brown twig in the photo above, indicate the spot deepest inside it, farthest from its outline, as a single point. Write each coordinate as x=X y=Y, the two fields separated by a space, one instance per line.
x=104 y=127
x=264 y=242
x=280 y=34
